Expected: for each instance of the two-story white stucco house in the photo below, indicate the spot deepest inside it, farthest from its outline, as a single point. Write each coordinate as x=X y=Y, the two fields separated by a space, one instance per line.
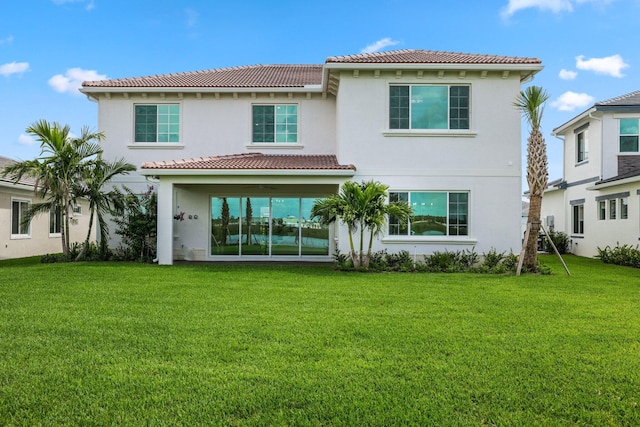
x=240 y=154
x=597 y=201
x=42 y=234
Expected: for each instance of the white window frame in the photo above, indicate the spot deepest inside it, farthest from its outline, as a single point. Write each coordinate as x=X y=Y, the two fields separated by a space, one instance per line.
x=51 y=216
x=446 y=237
x=276 y=144
x=158 y=145
x=448 y=132
x=585 y=147
x=625 y=117
x=577 y=223
x=20 y=235
x=602 y=210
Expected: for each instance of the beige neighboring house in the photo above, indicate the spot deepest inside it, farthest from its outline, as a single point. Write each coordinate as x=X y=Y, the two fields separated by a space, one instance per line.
x=42 y=235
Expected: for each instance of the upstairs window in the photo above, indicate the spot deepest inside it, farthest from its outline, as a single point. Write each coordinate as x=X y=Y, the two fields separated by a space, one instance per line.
x=19 y=210
x=428 y=107
x=435 y=213
x=157 y=123
x=629 y=133
x=582 y=153
x=275 y=123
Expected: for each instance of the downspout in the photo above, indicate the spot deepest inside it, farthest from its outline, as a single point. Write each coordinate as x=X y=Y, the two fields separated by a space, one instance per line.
x=591 y=116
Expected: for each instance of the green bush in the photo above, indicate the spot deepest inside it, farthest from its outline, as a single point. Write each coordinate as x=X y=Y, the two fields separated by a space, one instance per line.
x=625 y=255
x=560 y=239
x=137 y=225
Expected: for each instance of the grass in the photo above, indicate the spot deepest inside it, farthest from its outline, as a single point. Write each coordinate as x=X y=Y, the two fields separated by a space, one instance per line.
x=130 y=344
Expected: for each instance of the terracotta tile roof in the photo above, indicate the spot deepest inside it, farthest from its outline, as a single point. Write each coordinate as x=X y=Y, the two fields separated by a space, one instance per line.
x=300 y=75
x=629 y=99
x=276 y=76
x=251 y=161
x=418 y=56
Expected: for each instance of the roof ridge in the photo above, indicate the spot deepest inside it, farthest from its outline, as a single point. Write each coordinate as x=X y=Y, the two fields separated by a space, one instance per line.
x=618 y=98
x=206 y=71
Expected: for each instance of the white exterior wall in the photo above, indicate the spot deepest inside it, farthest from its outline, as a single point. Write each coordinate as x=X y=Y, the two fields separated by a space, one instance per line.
x=208 y=127
x=484 y=161
x=39 y=242
x=212 y=127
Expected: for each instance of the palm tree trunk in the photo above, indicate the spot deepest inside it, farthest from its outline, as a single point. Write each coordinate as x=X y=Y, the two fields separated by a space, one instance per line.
x=86 y=241
x=64 y=232
x=531 y=251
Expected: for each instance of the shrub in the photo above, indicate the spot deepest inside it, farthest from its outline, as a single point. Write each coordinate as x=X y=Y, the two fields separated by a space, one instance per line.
x=445 y=262
x=400 y=261
x=343 y=261
x=625 y=255
x=560 y=239
x=495 y=262
x=137 y=225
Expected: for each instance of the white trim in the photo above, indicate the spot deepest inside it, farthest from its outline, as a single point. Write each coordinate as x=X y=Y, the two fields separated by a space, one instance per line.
x=276 y=145
x=248 y=172
x=157 y=145
x=451 y=240
x=19 y=236
x=145 y=102
x=425 y=132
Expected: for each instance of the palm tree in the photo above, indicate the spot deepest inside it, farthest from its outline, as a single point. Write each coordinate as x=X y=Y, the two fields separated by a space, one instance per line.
x=57 y=169
x=531 y=103
x=101 y=202
x=68 y=168
x=360 y=206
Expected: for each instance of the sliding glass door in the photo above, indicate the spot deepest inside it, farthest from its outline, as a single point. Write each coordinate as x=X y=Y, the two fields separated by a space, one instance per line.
x=266 y=226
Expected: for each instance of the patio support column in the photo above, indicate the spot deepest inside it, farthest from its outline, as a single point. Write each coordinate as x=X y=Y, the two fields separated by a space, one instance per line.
x=165 y=222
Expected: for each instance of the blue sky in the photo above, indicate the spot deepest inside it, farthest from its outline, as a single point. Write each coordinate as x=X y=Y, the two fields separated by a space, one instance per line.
x=47 y=47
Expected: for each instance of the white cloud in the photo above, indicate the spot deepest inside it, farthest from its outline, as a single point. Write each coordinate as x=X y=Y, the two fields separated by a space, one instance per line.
x=72 y=80
x=25 y=140
x=379 y=45
x=567 y=74
x=192 y=17
x=610 y=65
x=13 y=68
x=555 y=6
x=7 y=40
x=90 y=4
x=569 y=101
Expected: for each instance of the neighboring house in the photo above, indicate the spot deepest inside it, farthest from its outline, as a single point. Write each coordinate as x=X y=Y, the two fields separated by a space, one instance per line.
x=42 y=235
x=240 y=154
x=597 y=201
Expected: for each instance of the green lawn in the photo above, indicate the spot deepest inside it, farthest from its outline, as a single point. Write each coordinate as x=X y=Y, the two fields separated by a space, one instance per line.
x=131 y=344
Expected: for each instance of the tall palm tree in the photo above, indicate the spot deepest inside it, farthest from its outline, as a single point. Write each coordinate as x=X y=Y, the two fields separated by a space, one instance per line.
x=360 y=206
x=531 y=103
x=97 y=174
x=62 y=164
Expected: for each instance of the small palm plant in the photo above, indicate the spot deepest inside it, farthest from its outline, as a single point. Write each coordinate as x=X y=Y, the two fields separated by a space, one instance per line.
x=360 y=206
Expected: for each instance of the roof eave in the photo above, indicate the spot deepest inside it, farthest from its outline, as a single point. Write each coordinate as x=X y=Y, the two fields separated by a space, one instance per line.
x=609 y=184
x=176 y=89
x=572 y=122
x=246 y=172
